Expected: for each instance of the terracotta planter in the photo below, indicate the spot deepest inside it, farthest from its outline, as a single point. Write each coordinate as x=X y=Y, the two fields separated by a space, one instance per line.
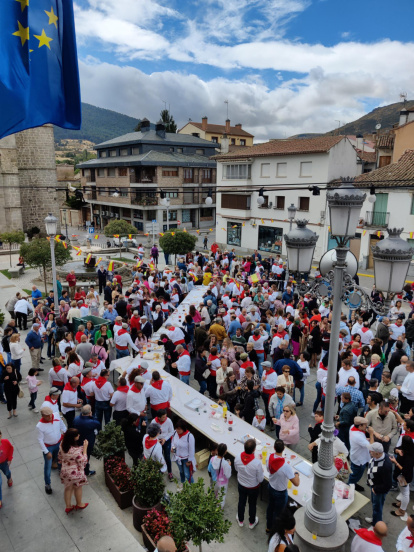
x=139 y=512
x=123 y=499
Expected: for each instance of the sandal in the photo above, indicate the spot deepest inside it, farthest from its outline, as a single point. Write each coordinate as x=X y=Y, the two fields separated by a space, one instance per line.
x=396 y=504
x=397 y=514
x=8 y=417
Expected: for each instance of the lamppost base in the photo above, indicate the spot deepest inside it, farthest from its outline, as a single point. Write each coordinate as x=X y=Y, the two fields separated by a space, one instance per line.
x=304 y=538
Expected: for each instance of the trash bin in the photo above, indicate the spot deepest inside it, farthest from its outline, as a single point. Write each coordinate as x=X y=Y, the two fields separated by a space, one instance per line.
x=97 y=322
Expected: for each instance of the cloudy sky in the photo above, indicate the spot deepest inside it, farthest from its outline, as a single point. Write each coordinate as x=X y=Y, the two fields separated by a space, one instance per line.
x=285 y=66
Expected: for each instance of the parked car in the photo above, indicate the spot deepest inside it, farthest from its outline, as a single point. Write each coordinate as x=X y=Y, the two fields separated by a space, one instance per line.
x=125 y=241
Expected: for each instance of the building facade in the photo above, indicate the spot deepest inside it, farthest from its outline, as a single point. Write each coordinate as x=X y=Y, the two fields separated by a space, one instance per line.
x=131 y=171
x=289 y=172
x=214 y=133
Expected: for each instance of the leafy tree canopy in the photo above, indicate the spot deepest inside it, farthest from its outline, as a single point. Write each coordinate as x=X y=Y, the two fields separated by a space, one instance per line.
x=12 y=237
x=168 y=120
x=37 y=255
x=121 y=227
x=178 y=244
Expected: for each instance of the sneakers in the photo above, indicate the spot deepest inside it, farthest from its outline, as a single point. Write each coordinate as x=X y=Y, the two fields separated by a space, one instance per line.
x=368 y=520
x=10 y=482
x=92 y=472
x=253 y=525
x=48 y=489
x=30 y=407
x=241 y=523
x=35 y=410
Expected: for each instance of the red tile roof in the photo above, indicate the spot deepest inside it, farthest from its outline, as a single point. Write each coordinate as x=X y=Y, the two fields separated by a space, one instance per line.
x=386 y=141
x=400 y=174
x=221 y=129
x=367 y=156
x=321 y=144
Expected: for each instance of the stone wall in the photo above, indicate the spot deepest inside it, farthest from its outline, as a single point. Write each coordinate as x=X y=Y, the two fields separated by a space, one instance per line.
x=10 y=204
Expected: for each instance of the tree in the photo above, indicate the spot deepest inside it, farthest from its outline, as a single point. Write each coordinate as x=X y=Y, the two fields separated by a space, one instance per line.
x=168 y=121
x=178 y=244
x=121 y=227
x=12 y=237
x=37 y=255
x=196 y=515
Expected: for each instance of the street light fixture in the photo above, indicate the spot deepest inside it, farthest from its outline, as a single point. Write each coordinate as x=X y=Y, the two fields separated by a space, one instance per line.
x=392 y=257
x=261 y=199
x=209 y=198
x=300 y=245
x=291 y=214
x=51 y=230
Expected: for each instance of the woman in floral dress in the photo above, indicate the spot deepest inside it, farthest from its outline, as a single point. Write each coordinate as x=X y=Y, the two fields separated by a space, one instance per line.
x=73 y=459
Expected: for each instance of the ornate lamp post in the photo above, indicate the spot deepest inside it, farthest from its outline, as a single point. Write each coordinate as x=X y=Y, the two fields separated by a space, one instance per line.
x=300 y=245
x=291 y=214
x=51 y=231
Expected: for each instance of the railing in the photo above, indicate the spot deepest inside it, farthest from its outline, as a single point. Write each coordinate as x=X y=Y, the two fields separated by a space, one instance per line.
x=377 y=218
x=142 y=179
x=90 y=179
x=188 y=180
x=144 y=201
x=207 y=180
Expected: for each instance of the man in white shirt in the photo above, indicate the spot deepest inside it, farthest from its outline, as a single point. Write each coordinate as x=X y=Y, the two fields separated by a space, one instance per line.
x=359 y=450
x=50 y=430
x=70 y=400
x=21 y=309
x=123 y=341
x=366 y=334
x=280 y=473
x=249 y=477
x=407 y=389
x=323 y=309
x=51 y=400
x=159 y=393
x=119 y=401
x=346 y=372
x=357 y=326
x=269 y=384
x=136 y=401
x=406 y=538
x=183 y=364
x=369 y=540
x=103 y=391
x=175 y=334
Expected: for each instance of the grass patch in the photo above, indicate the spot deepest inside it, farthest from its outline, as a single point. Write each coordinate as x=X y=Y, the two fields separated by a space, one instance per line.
x=6 y=273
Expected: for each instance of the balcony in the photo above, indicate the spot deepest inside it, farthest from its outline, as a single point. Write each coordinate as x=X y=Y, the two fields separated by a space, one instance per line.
x=379 y=219
x=143 y=177
x=90 y=179
x=144 y=201
x=206 y=180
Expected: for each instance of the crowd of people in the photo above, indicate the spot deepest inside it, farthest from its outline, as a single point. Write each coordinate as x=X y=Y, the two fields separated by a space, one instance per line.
x=251 y=344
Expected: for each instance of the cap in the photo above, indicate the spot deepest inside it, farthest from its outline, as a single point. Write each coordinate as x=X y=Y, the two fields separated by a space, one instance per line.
x=243 y=356
x=46 y=411
x=124 y=326
x=139 y=379
x=259 y=412
x=144 y=364
x=358 y=420
x=266 y=364
x=86 y=371
x=144 y=318
x=167 y=324
x=376 y=447
x=54 y=391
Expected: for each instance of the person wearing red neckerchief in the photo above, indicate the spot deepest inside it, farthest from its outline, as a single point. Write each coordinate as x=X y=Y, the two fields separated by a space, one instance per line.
x=152 y=447
x=119 y=401
x=359 y=450
x=249 y=477
x=52 y=400
x=370 y=540
x=167 y=431
x=183 y=449
x=159 y=393
x=405 y=542
x=50 y=430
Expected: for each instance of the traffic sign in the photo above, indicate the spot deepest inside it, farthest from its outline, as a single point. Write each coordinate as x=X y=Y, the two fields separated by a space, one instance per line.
x=91 y=230
x=155 y=220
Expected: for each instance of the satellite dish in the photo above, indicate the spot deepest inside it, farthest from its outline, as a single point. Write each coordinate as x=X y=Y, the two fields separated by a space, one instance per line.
x=378 y=126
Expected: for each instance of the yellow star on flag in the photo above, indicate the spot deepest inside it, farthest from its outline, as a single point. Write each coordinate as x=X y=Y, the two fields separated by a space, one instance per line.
x=52 y=17
x=43 y=39
x=22 y=33
x=23 y=3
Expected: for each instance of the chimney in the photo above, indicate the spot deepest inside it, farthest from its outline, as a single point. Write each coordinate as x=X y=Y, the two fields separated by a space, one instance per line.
x=227 y=126
x=359 y=141
x=160 y=129
x=204 y=122
x=145 y=125
x=403 y=116
x=239 y=126
x=225 y=142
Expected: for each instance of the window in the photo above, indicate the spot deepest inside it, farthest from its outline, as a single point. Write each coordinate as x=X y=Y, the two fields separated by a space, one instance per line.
x=102 y=154
x=234 y=233
x=233 y=201
x=306 y=168
x=172 y=150
x=196 y=134
x=186 y=215
x=179 y=150
x=237 y=172
x=233 y=141
x=122 y=171
x=124 y=194
x=303 y=204
x=265 y=170
x=152 y=214
x=139 y=215
x=139 y=226
x=111 y=172
x=279 y=202
x=242 y=142
x=206 y=212
x=270 y=239
x=170 y=172
x=214 y=139
x=124 y=152
x=188 y=175
x=172 y=215
x=206 y=175
x=281 y=170
x=136 y=151
x=112 y=153
x=199 y=151
x=101 y=173
x=171 y=195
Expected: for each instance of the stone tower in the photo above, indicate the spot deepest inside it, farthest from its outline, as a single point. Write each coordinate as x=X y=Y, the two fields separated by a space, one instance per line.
x=10 y=200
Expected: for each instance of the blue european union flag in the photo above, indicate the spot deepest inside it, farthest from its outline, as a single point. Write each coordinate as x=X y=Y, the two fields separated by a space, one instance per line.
x=39 y=77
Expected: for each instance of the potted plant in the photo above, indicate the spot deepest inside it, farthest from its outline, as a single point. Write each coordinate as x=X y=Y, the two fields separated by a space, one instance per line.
x=118 y=481
x=110 y=442
x=196 y=515
x=148 y=489
x=155 y=525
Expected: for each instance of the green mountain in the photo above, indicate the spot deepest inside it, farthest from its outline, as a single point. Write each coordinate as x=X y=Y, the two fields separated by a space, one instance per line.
x=98 y=125
x=386 y=116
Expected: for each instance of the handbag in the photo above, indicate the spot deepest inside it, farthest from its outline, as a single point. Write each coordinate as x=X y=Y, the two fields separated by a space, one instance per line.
x=21 y=393
x=206 y=373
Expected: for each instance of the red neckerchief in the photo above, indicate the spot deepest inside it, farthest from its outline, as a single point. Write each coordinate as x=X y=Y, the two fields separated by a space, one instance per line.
x=353 y=428
x=369 y=536
x=149 y=443
x=364 y=329
x=85 y=380
x=158 y=421
x=409 y=434
x=57 y=369
x=211 y=357
x=256 y=337
x=77 y=363
x=43 y=421
x=322 y=367
x=186 y=353
x=118 y=324
x=123 y=388
x=182 y=434
x=275 y=463
x=271 y=371
x=135 y=389
x=171 y=328
x=122 y=332
x=68 y=387
x=258 y=419
x=317 y=423
x=374 y=365
x=408 y=538
x=246 y=364
x=246 y=458
x=48 y=399
x=282 y=335
x=157 y=384
x=100 y=382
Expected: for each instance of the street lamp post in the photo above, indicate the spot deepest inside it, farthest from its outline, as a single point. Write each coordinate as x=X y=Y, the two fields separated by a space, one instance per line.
x=51 y=230
x=66 y=222
x=165 y=201
x=291 y=214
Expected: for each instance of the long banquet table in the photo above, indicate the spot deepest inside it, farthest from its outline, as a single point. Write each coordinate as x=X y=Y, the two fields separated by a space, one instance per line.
x=207 y=417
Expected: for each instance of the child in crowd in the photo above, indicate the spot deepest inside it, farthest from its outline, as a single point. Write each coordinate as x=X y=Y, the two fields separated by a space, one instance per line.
x=33 y=383
x=211 y=471
x=222 y=468
x=238 y=409
x=259 y=421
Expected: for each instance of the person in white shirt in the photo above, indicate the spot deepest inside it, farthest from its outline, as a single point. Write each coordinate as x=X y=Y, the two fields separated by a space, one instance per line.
x=21 y=309
x=280 y=473
x=183 y=364
x=366 y=334
x=259 y=421
x=357 y=326
x=119 y=401
x=65 y=343
x=249 y=477
x=103 y=391
x=159 y=393
x=175 y=334
x=258 y=339
x=58 y=376
x=136 y=401
x=359 y=450
x=75 y=365
x=123 y=341
x=407 y=389
x=183 y=451
x=346 y=372
x=370 y=540
x=268 y=387
x=167 y=431
x=406 y=537
x=70 y=400
x=52 y=400
x=152 y=447
x=50 y=430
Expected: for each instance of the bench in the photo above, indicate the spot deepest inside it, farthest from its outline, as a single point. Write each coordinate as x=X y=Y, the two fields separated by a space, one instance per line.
x=16 y=272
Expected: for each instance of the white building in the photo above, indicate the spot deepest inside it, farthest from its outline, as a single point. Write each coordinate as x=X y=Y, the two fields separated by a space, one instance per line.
x=286 y=170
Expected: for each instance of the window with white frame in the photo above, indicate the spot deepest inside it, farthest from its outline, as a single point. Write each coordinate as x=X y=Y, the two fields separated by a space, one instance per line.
x=265 y=170
x=306 y=168
x=281 y=170
x=237 y=172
